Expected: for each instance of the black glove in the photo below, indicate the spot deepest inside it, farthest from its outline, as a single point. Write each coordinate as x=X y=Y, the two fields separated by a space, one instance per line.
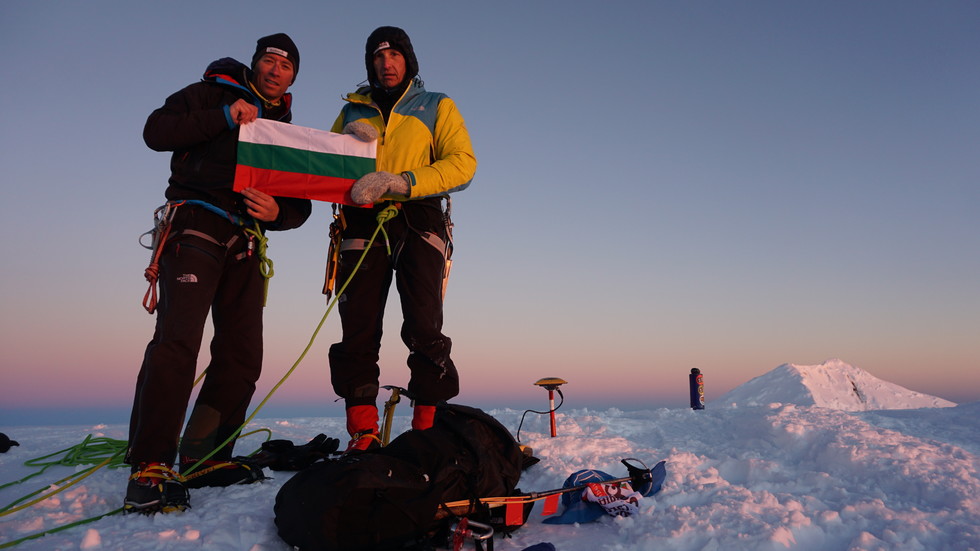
x=283 y=455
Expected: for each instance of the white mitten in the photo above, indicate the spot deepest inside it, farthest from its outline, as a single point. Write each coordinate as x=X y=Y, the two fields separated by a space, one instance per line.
x=370 y=187
x=618 y=499
x=364 y=131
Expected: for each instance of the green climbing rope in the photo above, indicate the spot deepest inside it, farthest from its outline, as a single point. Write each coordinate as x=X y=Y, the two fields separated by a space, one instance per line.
x=110 y=452
x=383 y=216
x=96 y=451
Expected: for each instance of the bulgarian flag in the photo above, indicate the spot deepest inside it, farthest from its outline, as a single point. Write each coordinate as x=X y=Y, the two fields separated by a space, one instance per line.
x=295 y=161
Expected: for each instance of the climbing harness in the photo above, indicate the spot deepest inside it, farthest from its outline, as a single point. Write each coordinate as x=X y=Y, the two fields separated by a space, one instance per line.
x=162 y=220
x=339 y=245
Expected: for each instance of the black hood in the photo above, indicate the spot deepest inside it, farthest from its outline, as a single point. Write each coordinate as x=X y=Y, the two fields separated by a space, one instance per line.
x=396 y=39
x=228 y=68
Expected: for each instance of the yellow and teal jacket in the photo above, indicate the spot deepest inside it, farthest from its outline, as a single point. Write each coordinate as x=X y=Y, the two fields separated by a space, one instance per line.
x=425 y=139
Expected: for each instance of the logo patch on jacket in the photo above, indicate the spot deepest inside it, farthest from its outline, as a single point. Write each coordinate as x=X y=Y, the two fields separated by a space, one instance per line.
x=187 y=278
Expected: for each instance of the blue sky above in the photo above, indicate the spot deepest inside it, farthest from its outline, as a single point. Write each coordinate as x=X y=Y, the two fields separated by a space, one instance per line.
x=662 y=185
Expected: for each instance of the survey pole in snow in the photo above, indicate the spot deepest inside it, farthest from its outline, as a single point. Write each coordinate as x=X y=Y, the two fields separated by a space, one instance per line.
x=551 y=384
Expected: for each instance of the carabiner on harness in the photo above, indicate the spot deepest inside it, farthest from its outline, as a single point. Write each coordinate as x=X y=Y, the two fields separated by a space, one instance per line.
x=162 y=218
x=333 y=252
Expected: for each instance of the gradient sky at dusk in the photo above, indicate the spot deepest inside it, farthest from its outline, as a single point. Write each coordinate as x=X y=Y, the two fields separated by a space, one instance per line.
x=662 y=185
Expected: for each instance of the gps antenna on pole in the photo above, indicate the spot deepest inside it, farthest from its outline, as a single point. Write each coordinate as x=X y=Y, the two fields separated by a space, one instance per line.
x=551 y=384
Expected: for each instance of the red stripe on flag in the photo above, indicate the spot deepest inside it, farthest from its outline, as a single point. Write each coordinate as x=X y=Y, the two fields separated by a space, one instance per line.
x=550 y=505
x=514 y=514
x=294 y=184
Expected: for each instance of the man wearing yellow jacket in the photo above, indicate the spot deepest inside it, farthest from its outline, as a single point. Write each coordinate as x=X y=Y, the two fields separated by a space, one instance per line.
x=424 y=153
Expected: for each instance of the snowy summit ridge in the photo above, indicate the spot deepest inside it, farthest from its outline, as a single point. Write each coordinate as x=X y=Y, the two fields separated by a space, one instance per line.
x=833 y=384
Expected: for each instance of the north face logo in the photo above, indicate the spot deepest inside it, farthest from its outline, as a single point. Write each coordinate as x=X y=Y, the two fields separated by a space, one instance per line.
x=187 y=278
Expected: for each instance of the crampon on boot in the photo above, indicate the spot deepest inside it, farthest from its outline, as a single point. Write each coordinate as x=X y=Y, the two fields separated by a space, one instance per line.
x=220 y=472
x=155 y=488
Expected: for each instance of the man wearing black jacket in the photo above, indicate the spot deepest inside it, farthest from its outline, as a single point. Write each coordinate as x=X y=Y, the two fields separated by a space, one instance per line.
x=211 y=259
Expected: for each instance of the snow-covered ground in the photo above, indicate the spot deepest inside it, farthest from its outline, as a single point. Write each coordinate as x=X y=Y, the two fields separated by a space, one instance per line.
x=772 y=476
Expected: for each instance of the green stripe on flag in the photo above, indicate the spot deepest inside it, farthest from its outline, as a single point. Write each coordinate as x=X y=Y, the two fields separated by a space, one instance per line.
x=288 y=159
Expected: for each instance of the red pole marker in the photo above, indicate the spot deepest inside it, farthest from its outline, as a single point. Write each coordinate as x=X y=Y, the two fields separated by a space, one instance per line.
x=551 y=384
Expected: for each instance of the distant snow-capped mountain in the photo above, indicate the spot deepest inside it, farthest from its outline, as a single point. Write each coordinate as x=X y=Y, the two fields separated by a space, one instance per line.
x=833 y=384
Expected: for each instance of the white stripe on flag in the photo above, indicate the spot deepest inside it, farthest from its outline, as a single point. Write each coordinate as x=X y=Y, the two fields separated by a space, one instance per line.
x=266 y=132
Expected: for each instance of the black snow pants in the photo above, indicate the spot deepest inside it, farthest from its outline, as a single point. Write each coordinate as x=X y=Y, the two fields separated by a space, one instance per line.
x=205 y=266
x=418 y=238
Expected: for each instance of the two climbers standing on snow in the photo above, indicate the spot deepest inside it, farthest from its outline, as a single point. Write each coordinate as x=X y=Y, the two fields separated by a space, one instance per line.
x=211 y=259
x=424 y=153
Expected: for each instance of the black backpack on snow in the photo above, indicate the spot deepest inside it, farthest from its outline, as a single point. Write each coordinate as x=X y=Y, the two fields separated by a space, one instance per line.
x=393 y=497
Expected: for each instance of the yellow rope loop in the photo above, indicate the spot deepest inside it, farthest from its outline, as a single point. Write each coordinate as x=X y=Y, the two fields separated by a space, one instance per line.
x=262 y=245
x=265 y=263
x=385 y=215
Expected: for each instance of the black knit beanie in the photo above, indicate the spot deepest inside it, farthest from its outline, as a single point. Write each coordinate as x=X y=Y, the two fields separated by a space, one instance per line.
x=279 y=44
x=390 y=37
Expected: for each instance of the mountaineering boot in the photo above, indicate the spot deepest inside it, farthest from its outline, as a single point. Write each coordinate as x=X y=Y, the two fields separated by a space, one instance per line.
x=423 y=416
x=362 y=425
x=220 y=472
x=155 y=488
